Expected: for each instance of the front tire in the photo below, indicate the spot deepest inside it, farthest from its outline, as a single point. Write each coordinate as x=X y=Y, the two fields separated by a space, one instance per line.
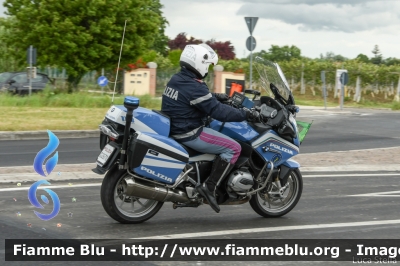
x=268 y=205
x=122 y=208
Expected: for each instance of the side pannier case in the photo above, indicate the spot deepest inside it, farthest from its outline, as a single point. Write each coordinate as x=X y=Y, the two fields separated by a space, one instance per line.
x=156 y=157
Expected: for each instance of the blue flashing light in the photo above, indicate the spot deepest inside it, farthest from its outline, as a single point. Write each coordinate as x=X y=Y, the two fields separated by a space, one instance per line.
x=131 y=102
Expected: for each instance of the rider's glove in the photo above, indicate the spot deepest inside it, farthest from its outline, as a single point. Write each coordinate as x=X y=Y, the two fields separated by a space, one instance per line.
x=251 y=114
x=222 y=97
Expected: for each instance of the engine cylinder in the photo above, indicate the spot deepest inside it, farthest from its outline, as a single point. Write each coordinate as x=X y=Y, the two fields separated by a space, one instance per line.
x=148 y=190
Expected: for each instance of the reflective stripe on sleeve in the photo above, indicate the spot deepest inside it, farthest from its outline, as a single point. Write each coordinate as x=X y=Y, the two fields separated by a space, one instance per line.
x=201 y=99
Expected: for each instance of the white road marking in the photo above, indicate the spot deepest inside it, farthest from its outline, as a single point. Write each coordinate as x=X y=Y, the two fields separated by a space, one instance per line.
x=271 y=229
x=347 y=175
x=371 y=149
x=378 y=194
x=59 y=186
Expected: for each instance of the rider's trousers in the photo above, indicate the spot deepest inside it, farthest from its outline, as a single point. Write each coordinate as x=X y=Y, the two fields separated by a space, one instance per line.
x=214 y=142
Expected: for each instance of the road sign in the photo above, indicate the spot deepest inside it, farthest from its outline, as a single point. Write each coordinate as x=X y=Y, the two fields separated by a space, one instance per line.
x=251 y=43
x=344 y=78
x=251 y=23
x=102 y=81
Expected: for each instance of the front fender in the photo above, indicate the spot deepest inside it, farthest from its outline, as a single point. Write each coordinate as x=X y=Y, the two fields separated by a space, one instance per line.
x=292 y=164
x=286 y=168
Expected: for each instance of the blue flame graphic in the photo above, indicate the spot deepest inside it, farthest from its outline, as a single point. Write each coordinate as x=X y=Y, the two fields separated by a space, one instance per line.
x=32 y=198
x=44 y=153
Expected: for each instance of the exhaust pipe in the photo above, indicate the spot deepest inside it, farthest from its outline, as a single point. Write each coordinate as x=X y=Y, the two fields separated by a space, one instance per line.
x=147 y=190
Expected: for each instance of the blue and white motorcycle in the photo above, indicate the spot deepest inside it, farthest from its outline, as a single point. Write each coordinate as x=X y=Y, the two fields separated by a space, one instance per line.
x=145 y=167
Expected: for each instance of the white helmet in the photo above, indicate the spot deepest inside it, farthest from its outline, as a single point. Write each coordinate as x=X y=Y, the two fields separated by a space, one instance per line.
x=197 y=58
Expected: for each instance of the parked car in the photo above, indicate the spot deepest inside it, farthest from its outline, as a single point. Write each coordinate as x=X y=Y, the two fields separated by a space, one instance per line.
x=18 y=83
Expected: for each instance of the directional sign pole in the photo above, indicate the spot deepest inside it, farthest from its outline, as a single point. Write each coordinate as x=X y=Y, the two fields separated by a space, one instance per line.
x=323 y=86
x=102 y=74
x=342 y=93
x=251 y=23
x=30 y=70
x=344 y=78
x=251 y=67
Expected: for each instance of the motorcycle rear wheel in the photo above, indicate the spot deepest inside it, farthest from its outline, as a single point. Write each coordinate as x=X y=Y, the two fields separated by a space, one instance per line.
x=271 y=206
x=122 y=208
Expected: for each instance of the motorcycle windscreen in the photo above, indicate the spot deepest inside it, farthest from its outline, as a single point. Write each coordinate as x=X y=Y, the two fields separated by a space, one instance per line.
x=269 y=72
x=156 y=157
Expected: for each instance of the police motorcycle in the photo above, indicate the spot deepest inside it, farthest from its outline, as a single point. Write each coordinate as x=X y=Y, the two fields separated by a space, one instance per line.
x=145 y=167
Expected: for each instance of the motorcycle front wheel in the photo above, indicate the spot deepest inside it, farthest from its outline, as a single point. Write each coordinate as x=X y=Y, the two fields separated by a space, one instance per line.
x=121 y=207
x=270 y=203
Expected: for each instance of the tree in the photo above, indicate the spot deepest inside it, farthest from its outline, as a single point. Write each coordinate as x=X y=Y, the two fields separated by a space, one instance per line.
x=8 y=62
x=377 y=59
x=181 y=40
x=225 y=50
x=82 y=37
x=283 y=53
x=390 y=61
x=363 y=58
x=161 y=40
x=174 y=57
x=331 y=56
x=280 y=53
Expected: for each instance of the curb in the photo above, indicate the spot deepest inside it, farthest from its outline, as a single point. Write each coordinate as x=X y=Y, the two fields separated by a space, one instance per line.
x=61 y=134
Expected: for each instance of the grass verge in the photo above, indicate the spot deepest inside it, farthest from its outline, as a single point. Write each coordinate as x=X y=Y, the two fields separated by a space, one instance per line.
x=84 y=111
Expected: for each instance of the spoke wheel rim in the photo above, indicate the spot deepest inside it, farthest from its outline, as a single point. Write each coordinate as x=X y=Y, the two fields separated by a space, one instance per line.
x=131 y=206
x=274 y=204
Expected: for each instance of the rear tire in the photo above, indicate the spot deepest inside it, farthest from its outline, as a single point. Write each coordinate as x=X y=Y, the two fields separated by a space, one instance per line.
x=114 y=199
x=270 y=206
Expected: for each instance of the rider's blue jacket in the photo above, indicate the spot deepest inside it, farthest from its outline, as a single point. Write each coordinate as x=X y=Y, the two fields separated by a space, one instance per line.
x=187 y=101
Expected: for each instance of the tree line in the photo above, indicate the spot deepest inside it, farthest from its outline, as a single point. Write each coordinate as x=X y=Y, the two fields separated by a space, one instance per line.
x=80 y=38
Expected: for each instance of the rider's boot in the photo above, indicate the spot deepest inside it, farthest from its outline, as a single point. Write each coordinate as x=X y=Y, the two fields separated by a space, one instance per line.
x=219 y=170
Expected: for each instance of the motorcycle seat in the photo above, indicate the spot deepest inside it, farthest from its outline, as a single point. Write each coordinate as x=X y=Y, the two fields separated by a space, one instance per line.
x=190 y=151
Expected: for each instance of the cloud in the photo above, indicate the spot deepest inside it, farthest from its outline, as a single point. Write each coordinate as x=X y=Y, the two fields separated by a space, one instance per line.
x=326 y=15
x=317 y=2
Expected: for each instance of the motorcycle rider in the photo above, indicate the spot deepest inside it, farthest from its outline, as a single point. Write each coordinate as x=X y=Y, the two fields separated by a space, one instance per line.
x=187 y=101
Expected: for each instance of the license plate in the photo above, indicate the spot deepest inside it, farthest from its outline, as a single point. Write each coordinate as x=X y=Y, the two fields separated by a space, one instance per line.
x=105 y=155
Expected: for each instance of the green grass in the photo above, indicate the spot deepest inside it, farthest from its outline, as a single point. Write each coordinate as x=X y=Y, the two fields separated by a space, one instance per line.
x=75 y=100
x=85 y=111
x=52 y=118
x=396 y=106
x=59 y=111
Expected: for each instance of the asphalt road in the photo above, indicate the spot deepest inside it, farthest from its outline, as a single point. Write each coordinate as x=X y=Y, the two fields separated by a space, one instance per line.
x=331 y=207
x=328 y=201
x=331 y=131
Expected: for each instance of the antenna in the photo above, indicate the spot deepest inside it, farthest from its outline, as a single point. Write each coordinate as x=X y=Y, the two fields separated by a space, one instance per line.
x=119 y=60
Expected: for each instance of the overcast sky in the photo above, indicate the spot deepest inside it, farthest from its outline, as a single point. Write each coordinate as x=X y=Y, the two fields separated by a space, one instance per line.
x=346 y=27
